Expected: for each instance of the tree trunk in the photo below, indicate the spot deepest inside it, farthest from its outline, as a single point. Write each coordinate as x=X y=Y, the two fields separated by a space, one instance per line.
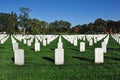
x=24 y=31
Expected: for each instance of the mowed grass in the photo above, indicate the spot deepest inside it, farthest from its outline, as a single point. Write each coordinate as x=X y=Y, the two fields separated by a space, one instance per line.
x=78 y=65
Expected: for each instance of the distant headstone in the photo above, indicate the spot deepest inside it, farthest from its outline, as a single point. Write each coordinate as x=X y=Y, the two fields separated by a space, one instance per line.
x=15 y=46
x=95 y=40
x=99 y=55
x=37 y=46
x=28 y=43
x=24 y=41
x=84 y=38
x=60 y=45
x=82 y=46
x=44 y=42
x=90 y=42
x=75 y=42
x=19 y=57
x=104 y=47
x=2 y=41
x=119 y=41
x=48 y=40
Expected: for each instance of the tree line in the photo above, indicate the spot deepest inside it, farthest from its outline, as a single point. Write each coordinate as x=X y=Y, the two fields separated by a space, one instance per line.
x=12 y=23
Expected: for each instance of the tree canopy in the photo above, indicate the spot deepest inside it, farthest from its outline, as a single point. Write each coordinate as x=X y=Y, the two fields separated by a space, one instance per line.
x=23 y=23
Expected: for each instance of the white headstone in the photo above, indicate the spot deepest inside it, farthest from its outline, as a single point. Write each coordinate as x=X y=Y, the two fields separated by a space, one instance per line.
x=90 y=42
x=82 y=46
x=95 y=40
x=75 y=42
x=48 y=40
x=24 y=41
x=44 y=42
x=60 y=45
x=71 y=40
x=84 y=38
x=15 y=46
x=99 y=55
x=104 y=47
x=59 y=56
x=37 y=46
x=28 y=43
x=119 y=41
x=19 y=57
x=2 y=41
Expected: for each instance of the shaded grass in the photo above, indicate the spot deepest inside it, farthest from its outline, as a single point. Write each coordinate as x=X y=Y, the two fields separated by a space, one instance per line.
x=78 y=65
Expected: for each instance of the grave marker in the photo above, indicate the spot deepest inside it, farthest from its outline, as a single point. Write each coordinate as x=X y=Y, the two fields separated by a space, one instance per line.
x=99 y=55
x=19 y=57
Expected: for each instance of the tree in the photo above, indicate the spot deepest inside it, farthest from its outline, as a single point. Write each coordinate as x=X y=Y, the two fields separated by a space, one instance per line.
x=76 y=29
x=35 y=26
x=60 y=26
x=23 y=18
x=43 y=27
x=8 y=22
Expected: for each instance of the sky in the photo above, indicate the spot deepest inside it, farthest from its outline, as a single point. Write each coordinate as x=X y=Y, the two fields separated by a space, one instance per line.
x=74 y=11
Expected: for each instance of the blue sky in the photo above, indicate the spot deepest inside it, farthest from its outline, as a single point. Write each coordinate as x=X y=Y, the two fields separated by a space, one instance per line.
x=74 y=11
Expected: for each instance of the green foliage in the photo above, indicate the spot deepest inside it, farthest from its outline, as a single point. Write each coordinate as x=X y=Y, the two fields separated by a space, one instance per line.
x=90 y=32
x=60 y=26
x=35 y=30
x=8 y=22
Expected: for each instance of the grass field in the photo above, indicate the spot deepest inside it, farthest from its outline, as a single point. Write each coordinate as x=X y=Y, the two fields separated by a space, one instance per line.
x=78 y=65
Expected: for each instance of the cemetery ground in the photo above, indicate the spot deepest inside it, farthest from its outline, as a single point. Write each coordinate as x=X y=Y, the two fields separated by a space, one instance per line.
x=77 y=65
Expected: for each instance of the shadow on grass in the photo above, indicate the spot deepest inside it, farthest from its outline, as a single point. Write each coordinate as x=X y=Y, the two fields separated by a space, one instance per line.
x=48 y=59
x=53 y=49
x=12 y=59
x=112 y=58
x=113 y=48
x=74 y=49
x=32 y=49
x=82 y=58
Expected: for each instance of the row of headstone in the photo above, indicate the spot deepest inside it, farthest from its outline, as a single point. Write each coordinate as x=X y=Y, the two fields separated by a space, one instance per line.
x=18 y=37
x=3 y=39
x=94 y=38
x=37 y=45
x=106 y=39
x=28 y=39
x=59 y=53
x=116 y=37
x=18 y=53
x=46 y=39
x=90 y=38
x=73 y=39
x=99 y=52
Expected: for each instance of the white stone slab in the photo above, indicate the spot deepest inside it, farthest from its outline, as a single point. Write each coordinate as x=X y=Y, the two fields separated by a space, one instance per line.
x=95 y=40
x=15 y=46
x=59 y=56
x=44 y=42
x=75 y=42
x=90 y=42
x=37 y=46
x=28 y=43
x=60 y=45
x=82 y=46
x=19 y=57
x=104 y=47
x=24 y=41
x=99 y=55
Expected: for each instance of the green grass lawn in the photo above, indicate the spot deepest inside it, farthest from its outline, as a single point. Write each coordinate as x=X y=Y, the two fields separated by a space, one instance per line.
x=78 y=65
